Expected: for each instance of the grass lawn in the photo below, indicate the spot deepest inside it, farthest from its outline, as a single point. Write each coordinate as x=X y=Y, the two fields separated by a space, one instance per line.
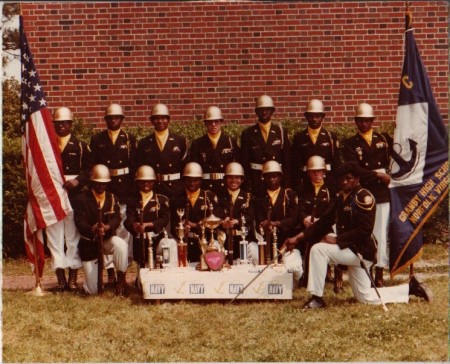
x=70 y=328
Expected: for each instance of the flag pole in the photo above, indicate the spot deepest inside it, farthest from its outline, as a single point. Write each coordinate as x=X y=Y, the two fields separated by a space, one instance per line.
x=37 y=291
x=408 y=20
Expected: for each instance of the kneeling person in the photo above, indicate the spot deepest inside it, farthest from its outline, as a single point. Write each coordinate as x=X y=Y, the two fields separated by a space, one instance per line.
x=90 y=205
x=354 y=215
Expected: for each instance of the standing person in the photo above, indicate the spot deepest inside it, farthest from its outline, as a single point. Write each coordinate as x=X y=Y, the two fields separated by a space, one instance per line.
x=264 y=142
x=354 y=215
x=235 y=204
x=283 y=215
x=372 y=151
x=87 y=207
x=151 y=209
x=197 y=204
x=314 y=140
x=165 y=152
x=315 y=198
x=116 y=149
x=213 y=151
x=75 y=156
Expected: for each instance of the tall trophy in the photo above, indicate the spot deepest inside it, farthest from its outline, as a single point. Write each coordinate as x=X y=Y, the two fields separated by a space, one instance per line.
x=213 y=258
x=181 y=246
x=243 y=244
x=261 y=247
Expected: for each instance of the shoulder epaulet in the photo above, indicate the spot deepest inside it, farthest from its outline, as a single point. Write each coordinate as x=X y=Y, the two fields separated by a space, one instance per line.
x=364 y=199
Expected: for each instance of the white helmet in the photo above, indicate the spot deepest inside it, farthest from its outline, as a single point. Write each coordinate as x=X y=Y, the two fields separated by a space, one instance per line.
x=264 y=101
x=234 y=169
x=272 y=167
x=145 y=173
x=160 y=109
x=364 y=110
x=114 y=109
x=213 y=113
x=315 y=106
x=62 y=114
x=315 y=163
x=193 y=169
x=100 y=173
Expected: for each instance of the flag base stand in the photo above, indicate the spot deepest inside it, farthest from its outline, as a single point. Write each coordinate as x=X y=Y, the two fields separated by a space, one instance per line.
x=38 y=291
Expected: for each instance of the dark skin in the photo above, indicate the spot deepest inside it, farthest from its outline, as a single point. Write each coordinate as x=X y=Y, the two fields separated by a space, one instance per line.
x=364 y=125
x=233 y=184
x=264 y=114
x=99 y=229
x=160 y=122
x=272 y=181
x=192 y=184
x=348 y=183
x=315 y=119
x=63 y=128
x=114 y=122
x=144 y=186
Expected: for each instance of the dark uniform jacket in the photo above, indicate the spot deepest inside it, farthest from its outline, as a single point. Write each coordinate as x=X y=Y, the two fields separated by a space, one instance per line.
x=86 y=215
x=284 y=210
x=255 y=151
x=195 y=214
x=155 y=211
x=243 y=206
x=309 y=202
x=169 y=161
x=214 y=160
x=373 y=157
x=327 y=146
x=119 y=158
x=354 y=218
x=77 y=161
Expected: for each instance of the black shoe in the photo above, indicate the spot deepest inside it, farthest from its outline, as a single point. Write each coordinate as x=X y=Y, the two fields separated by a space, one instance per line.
x=315 y=302
x=420 y=289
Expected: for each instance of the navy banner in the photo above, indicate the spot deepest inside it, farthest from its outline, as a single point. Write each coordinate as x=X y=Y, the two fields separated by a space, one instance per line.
x=419 y=164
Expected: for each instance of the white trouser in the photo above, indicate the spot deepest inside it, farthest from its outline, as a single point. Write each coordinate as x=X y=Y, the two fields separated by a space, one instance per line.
x=323 y=253
x=118 y=249
x=380 y=230
x=292 y=260
x=64 y=232
x=123 y=233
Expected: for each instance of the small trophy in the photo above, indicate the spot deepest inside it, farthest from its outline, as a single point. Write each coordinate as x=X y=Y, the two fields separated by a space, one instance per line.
x=213 y=258
x=261 y=248
x=182 y=246
x=274 y=246
x=211 y=222
x=151 y=265
x=243 y=244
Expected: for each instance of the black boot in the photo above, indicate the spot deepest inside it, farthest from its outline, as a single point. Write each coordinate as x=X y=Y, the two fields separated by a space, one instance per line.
x=72 y=283
x=379 y=277
x=420 y=290
x=111 y=276
x=61 y=277
x=338 y=282
x=122 y=288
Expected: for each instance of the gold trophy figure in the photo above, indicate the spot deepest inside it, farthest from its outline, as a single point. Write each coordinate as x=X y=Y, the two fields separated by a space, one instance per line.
x=181 y=246
x=211 y=222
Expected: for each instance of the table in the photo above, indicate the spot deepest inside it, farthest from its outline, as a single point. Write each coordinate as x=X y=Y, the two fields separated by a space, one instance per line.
x=275 y=282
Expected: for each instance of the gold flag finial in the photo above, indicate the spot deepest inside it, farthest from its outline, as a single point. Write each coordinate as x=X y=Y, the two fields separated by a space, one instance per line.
x=408 y=17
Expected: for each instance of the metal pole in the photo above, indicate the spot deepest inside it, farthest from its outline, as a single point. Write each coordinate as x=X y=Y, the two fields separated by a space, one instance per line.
x=363 y=265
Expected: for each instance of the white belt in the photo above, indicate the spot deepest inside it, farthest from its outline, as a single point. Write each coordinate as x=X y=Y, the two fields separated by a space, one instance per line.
x=167 y=177
x=382 y=170
x=119 y=171
x=70 y=177
x=213 y=176
x=256 y=166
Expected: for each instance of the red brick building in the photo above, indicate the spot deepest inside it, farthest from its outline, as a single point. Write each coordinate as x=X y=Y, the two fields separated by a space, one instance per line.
x=191 y=55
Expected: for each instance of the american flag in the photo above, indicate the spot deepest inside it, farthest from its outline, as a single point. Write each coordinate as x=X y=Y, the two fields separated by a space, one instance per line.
x=48 y=202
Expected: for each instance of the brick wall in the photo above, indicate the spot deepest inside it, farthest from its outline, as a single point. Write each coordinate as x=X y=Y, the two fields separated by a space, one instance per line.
x=190 y=55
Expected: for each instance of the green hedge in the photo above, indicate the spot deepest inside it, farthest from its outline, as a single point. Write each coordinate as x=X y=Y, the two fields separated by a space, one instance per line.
x=14 y=188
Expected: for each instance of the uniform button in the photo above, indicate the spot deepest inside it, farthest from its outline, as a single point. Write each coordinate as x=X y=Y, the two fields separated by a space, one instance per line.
x=221 y=166
x=170 y=165
x=367 y=164
x=120 y=161
x=157 y=165
x=379 y=163
x=108 y=162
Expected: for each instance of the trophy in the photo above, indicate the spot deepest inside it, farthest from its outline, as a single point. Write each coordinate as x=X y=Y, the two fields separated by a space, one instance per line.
x=151 y=265
x=261 y=247
x=274 y=246
x=243 y=244
x=213 y=258
x=182 y=246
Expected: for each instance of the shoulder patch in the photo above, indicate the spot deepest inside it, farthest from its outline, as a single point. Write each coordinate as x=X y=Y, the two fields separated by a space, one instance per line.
x=365 y=200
